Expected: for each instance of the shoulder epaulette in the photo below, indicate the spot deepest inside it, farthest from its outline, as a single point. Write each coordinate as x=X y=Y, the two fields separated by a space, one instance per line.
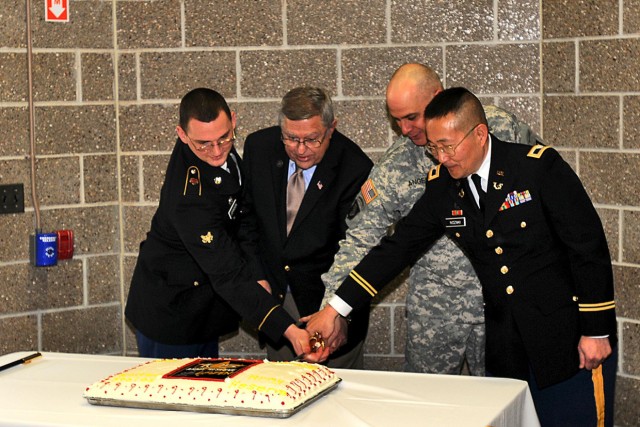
x=434 y=173
x=537 y=150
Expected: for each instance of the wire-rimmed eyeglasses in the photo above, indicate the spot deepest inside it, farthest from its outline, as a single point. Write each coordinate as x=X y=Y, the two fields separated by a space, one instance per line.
x=208 y=145
x=449 y=150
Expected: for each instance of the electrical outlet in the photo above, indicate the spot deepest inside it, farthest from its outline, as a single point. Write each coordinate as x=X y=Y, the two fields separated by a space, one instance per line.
x=11 y=198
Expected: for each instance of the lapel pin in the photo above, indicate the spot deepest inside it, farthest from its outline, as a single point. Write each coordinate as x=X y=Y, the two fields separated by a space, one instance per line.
x=217 y=180
x=500 y=173
x=497 y=186
x=320 y=185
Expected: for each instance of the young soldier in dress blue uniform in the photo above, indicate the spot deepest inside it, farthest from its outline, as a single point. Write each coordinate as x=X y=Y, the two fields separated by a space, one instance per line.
x=538 y=247
x=193 y=271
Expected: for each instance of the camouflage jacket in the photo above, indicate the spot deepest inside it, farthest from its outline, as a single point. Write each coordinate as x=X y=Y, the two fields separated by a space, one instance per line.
x=442 y=283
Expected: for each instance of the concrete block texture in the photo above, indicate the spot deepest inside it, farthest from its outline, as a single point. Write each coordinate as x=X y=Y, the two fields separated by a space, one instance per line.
x=107 y=86
x=566 y=18
x=231 y=23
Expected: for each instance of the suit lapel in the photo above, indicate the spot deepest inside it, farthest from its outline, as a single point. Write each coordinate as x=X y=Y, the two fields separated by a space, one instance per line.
x=279 y=167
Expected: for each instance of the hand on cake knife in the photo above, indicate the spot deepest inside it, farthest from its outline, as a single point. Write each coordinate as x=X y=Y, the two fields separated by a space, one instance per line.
x=316 y=342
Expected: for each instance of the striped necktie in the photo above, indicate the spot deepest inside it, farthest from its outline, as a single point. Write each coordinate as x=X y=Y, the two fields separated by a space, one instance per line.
x=295 y=193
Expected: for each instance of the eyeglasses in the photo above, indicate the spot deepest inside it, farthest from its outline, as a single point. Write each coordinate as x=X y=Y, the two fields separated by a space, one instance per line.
x=449 y=150
x=293 y=141
x=208 y=145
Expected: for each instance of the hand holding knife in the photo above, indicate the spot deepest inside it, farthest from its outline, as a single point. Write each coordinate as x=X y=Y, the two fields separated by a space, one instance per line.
x=316 y=342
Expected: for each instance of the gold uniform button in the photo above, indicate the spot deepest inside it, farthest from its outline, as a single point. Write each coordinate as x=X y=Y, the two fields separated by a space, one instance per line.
x=196 y=283
x=499 y=250
x=287 y=268
x=523 y=224
x=489 y=234
x=280 y=296
x=457 y=234
x=575 y=298
x=510 y=289
x=504 y=269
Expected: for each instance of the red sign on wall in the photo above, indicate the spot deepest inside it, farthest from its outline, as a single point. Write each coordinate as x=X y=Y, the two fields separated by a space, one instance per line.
x=56 y=10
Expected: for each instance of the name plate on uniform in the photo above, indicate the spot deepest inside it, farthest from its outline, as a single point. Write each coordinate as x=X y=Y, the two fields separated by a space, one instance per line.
x=460 y=221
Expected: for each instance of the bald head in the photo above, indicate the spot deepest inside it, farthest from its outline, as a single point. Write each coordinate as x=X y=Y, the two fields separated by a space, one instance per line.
x=411 y=88
x=418 y=75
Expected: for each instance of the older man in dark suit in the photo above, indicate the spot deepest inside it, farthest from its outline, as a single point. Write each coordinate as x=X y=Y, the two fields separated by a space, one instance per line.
x=301 y=179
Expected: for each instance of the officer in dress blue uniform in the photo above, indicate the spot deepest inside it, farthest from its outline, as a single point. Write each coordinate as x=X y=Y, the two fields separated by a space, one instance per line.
x=538 y=247
x=195 y=274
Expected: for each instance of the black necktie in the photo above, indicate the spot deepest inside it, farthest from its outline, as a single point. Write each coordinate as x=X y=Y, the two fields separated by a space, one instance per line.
x=295 y=193
x=481 y=193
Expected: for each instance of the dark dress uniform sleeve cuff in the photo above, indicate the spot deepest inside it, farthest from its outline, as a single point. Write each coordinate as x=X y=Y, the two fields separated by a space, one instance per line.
x=275 y=322
x=598 y=319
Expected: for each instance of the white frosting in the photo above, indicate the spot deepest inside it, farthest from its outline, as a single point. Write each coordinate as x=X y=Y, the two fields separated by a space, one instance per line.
x=262 y=386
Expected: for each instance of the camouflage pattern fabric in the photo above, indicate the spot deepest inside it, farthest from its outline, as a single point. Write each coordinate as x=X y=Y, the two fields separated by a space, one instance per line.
x=445 y=321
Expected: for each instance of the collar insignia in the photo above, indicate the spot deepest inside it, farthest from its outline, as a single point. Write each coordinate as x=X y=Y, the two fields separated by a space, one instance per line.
x=207 y=238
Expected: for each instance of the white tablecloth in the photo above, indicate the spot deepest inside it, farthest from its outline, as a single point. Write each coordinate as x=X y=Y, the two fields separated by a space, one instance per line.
x=49 y=390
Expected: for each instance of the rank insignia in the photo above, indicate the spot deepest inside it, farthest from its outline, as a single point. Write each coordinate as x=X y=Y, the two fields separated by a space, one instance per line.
x=369 y=192
x=537 y=150
x=217 y=180
x=207 y=238
x=434 y=173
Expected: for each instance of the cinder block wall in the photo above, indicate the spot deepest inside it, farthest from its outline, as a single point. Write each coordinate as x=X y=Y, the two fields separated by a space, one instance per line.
x=108 y=82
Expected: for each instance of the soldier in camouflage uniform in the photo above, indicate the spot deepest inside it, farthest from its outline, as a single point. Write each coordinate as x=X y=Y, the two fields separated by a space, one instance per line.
x=445 y=321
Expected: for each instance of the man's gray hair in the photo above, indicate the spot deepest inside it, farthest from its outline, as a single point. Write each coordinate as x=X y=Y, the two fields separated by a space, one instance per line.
x=305 y=102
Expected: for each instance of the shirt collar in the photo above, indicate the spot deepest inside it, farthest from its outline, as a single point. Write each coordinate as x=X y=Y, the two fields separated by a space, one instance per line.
x=306 y=173
x=483 y=171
